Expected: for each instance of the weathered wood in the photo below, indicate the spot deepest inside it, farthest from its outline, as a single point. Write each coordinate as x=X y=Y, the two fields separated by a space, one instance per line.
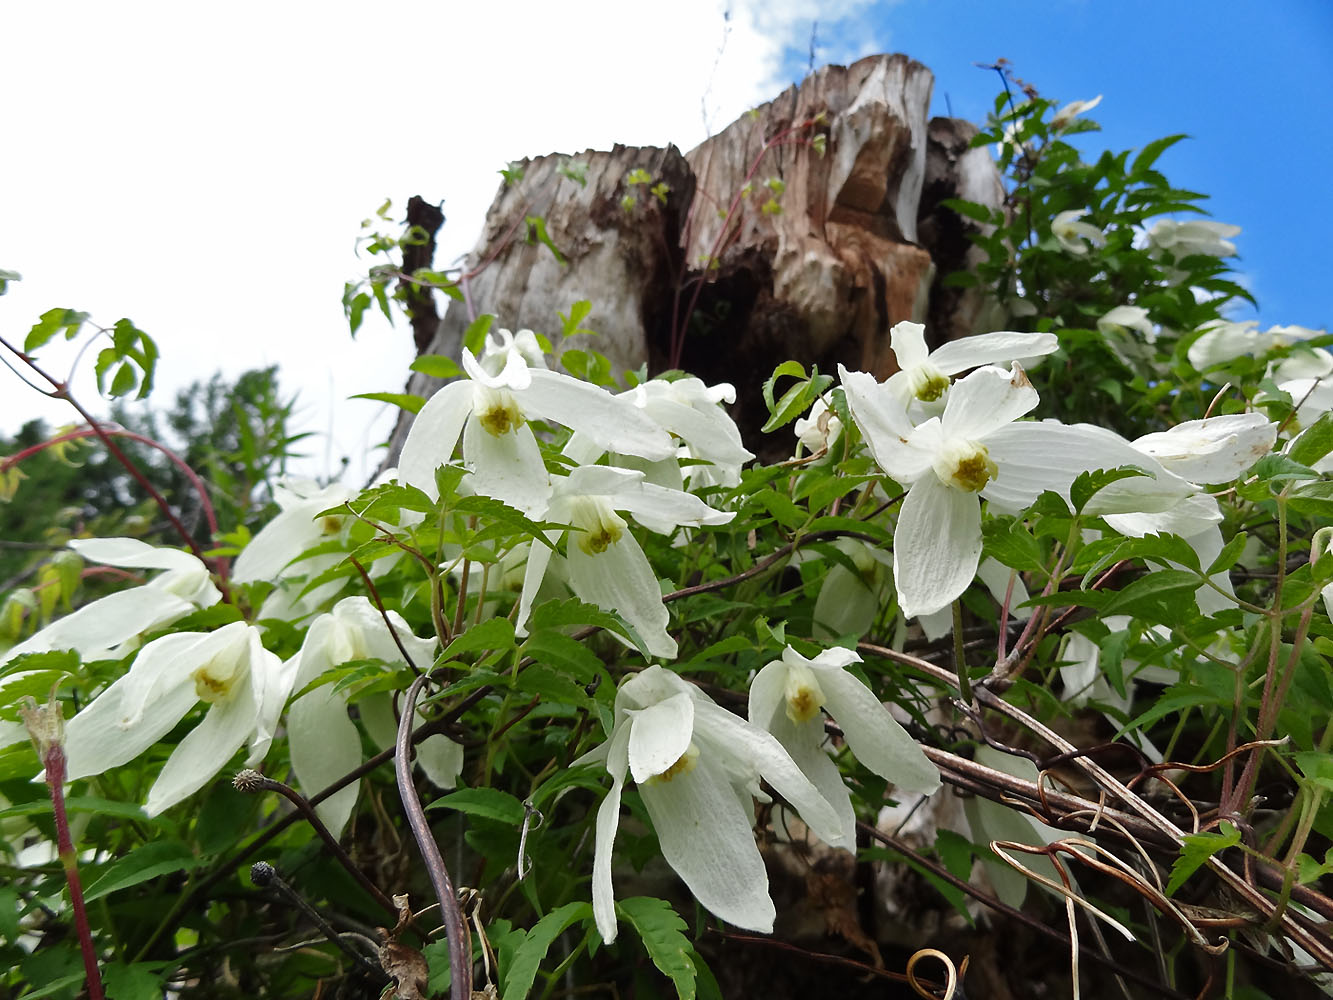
x=709 y=279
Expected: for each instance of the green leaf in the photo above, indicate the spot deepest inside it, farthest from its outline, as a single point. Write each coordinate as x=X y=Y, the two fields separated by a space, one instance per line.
x=436 y=366
x=555 y=614
x=1314 y=443
x=1010 y=541
x=1196 y=850
x=494 y=633
x=1229 y=555
x=1313 y=499
x=9 y=912
x=1160 y=595
x=139 y=981
x=52 y=322
x=1088 y=484
x=537 y=234
x=564 y=653
x=474 y=337
x=659 y=928
x=407 y=401
x=529 y=955
x=489 y=803
x=1148 y=156
x=149 y=861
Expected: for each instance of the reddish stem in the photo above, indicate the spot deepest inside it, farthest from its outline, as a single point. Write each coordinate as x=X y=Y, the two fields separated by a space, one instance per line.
x=102 y=432
x=54 y=761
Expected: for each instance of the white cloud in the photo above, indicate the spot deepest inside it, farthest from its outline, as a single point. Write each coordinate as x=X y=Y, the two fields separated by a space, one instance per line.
x=204 y=170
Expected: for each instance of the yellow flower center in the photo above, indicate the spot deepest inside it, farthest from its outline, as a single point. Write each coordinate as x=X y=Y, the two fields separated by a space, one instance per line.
x=497 y=410
x=218 y=678
x=684 y=764
x=928 y=383
x=601 y=527
x=804 y=696
x=966 y=466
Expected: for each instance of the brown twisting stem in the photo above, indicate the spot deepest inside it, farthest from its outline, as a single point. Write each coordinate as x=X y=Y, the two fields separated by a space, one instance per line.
x=455 y=930
x=250 y=780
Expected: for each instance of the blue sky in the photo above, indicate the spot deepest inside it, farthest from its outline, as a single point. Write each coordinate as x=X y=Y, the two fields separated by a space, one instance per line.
x=204 y=169
x=1251 y=84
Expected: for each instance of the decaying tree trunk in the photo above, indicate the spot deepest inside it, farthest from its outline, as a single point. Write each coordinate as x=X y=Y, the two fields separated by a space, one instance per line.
x=750 y=249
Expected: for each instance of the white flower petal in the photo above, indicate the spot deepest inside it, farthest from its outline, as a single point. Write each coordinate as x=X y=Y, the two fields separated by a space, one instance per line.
x=936 y=545
x=324 y=746
x=434 y=433
x=661 y=505
x=985 y=401
x=99 y=627
x=440 y=760
x=1214 y=450
x=620 y=579
x=908 y=341
x=97 y=739
x=203 y=752
x=885 y=425
x=715 y=726
x=133 y=553
x=660 y=735
x=508 y=467
x=289 y=534
x=534 y=571
x=706 y=837
x=608 y=819
x=875 y=736
x=767 y=693
x=614 y=423
x=990 y=349
x=805 y=743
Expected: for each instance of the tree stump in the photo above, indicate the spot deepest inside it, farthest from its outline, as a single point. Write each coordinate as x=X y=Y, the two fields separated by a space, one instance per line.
x=752 y=248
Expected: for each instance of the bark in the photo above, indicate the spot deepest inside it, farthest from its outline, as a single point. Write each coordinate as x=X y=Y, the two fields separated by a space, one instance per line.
x=706 y=277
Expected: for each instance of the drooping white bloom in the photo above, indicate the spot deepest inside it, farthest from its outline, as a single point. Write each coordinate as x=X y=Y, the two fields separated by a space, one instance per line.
x=324 y=740
x=786 y=698
x=848 y=602
x=1195 y=236
x=490 y=410
x=270 y=554
x=1072 y=110
x=1121 y=319
x=1212 y=450
x=100 y=628
x=1072 y=234
x=697 y=768
x=818 y=428
x=692 y=413
x=244 y=685
x=975 y=450
x=1222 y=341
x=924 y=375
x=605 y=564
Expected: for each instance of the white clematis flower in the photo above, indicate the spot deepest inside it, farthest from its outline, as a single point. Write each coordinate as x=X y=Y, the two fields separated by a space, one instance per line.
x=1072 y=110
x=100 y=628
x=1073 y=235
x=786 y=698
x=324 y=740
x=819 y=428
x=1212 y=450
x=1196 y=236
x=490 y=410
x=605 y=564
x=975 y=450
x=697 y=768
x=924 y=375
x=1222 y=341
x=270 y=554
x=1122 y=319
x=244 y=685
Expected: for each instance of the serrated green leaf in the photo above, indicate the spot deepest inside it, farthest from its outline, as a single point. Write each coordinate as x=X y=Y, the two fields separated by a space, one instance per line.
x=563 y=652
x=52 y=322
x=659 y=928
x=149 y=861
x=1314 y=443
x=489 y=803
x=494 y=633
x=138 y=981
x=1197 y=849
x=1159 y=595
x=1229 y=555
x=530 y=954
